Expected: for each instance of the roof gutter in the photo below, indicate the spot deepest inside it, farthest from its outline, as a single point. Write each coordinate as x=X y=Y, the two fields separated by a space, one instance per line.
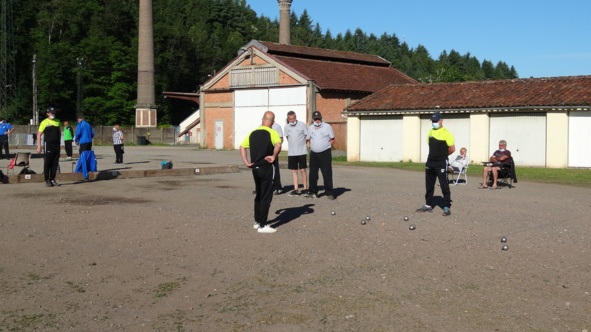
x=467 y=110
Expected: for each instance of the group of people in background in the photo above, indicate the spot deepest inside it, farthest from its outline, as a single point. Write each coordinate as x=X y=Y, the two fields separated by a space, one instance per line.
x=50 y=130
x=265 y=143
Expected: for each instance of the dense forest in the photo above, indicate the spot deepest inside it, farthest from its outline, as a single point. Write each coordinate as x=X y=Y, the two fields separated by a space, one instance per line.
x=86 y=53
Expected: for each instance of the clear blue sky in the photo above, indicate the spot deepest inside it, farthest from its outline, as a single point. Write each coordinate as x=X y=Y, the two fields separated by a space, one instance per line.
x=540 y=38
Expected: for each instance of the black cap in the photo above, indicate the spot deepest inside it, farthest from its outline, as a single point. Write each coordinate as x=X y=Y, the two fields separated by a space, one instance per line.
x=316 y=115
x=436 y=117
x=51 y=110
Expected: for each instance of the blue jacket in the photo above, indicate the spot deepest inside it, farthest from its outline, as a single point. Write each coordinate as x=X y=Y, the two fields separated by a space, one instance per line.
x=84 y=133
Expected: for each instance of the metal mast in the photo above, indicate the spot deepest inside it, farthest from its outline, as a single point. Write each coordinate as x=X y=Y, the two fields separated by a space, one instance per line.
x=7 y=59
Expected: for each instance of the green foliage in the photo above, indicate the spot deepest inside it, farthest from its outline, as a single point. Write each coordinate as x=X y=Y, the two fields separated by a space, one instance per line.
x=93 y=44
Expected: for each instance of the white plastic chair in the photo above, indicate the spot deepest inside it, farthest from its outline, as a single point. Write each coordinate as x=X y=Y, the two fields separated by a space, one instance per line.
x=457 y=170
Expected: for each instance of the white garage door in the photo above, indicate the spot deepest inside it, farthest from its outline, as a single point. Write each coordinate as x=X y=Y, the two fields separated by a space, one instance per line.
x=251 y=104
x=457 y=124
x=525 y=134
x=579 y=154
x=381 y=138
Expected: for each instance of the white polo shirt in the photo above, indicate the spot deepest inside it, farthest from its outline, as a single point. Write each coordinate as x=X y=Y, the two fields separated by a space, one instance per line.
x=296 y=136
x=320 y=137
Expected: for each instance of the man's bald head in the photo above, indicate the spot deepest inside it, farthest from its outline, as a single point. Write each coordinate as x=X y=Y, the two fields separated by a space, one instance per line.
x=268 y=119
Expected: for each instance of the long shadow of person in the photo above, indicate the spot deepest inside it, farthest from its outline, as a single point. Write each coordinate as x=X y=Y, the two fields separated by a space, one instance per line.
x=288 y=214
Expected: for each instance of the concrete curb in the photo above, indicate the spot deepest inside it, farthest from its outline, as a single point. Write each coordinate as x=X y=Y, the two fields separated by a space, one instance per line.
x=125 y=174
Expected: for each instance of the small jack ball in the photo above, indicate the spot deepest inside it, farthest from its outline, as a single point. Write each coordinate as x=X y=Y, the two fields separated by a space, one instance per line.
x=505 y=248
x=363 y=222
x=412 y=227
x=333 y=213
x=405 y=218
x=367 y=218
x=503 y=239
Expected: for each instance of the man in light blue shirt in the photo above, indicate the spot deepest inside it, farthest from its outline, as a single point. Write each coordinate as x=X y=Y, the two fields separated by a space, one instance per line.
x=321 y=138
x=296 y=133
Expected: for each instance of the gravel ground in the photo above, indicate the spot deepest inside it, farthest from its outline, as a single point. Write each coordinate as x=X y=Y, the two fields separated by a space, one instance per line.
x=180 y=254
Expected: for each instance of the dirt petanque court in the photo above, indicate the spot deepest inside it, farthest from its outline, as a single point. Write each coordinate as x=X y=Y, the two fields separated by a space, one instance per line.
x=179 y=253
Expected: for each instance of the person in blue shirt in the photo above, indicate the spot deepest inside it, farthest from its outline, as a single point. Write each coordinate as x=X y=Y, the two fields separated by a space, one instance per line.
x=5 y=130
x=84 y=134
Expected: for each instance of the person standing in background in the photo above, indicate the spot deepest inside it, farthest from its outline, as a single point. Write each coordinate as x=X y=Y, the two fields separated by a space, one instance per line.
x=84 y=134
x=296 y=132
x=50 y=129
x=5 y=130
x=68 y=139
x=321 y=137
x=277 y=186
x=118 y=144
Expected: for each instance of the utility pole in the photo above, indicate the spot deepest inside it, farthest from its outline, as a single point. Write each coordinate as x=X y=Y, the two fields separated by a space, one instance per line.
x=35 y=119
x=7 y=59
x=80 y=63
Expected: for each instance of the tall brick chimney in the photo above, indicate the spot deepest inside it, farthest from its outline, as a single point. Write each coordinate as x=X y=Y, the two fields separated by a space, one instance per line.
x=284 y=18
x=145 y=109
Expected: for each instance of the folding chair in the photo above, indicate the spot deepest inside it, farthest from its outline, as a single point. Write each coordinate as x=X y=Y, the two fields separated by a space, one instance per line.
x=21 y=159
x=456 y=174
x=506 y=175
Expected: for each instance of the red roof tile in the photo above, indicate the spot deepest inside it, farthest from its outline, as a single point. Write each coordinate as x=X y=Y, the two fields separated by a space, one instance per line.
x=554 y=91
x=326 y=54
x=337 y=70
x=346 y=76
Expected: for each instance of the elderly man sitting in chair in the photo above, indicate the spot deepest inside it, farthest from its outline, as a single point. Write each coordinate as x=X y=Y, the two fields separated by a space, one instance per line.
x=500 y=158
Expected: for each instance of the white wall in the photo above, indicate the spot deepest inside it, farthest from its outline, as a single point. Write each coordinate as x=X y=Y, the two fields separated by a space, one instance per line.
x=251 y=104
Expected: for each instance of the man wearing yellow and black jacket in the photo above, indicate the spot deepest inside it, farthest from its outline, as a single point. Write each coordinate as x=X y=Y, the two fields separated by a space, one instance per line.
x=441 y=145
x=50 y=129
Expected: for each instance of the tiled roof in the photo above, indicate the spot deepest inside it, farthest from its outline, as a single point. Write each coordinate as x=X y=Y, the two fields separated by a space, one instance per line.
x=346 y=76
x=326 y=54
x=532 y=92
x=337 y=70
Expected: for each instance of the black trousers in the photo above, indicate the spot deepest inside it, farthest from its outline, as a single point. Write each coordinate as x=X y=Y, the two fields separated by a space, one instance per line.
x=263 y=181
x=85 y=147
x=118 y=153
x=4 y=146
x=432 y=174
x=68 y=146
x=322 y=161
x=52 y=159
x=277 y=179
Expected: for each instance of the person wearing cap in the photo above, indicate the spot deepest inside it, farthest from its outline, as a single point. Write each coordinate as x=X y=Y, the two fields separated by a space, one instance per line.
x=50 y=129
x=321 y=138
x=84 y=134
x=264 y=145
x=441 y=145
x=297 y=152
x=5 y=130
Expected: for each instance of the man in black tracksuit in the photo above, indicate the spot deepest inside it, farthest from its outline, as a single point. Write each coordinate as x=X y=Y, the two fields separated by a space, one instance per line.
x=264 y=144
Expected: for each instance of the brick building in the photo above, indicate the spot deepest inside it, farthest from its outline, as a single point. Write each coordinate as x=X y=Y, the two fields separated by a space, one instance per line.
x=282 y=78
x=545 y=121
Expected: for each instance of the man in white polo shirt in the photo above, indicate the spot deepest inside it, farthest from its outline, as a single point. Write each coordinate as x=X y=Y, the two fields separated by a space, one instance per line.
x=296 y=133
x=321 y=138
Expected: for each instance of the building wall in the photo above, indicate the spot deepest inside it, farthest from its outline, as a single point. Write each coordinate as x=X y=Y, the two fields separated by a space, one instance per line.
x=529 y=137
x=224 y=114
x=557 y=139
x=411 y=125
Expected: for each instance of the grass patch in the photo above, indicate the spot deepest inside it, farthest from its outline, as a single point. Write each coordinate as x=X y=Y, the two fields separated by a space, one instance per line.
x=17 y=321
x=166 y=288
x=568 y=176
x=75 y=287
